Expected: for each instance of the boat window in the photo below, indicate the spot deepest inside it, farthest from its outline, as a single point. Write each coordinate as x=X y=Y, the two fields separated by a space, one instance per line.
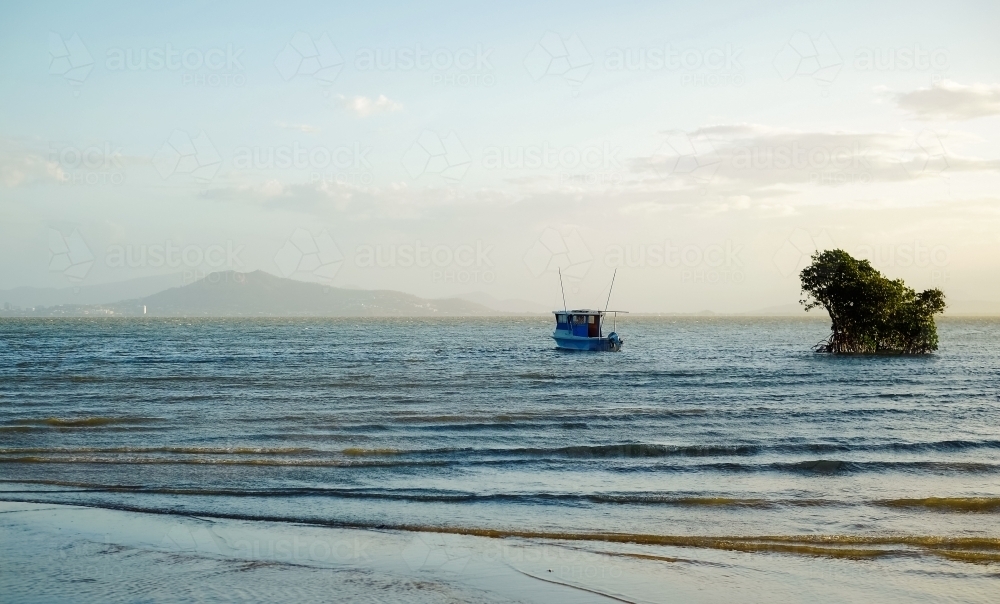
x=579 y=319
x=591 y=319
x=560 y=318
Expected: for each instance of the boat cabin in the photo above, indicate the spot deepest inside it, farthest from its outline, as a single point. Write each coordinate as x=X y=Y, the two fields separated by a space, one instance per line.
x=580 y=323
x=583 y=330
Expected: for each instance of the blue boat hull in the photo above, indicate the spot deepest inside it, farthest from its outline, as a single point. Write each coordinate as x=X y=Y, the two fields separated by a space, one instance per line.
x=569 y=342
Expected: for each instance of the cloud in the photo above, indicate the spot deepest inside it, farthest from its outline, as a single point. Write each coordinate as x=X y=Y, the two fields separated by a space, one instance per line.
x=297 y=127
x=395 y=200
x=952 y=101
x=363 y=106
x=713 y=169
x=312 y=196
x=745 y=158
x=20 y=166
x=28 y=169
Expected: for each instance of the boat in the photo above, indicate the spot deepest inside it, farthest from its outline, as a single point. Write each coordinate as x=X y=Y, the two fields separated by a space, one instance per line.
x=583 y=329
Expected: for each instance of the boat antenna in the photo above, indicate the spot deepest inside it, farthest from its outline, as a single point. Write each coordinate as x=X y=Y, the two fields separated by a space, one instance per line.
x=609 y=290
x=563 y=290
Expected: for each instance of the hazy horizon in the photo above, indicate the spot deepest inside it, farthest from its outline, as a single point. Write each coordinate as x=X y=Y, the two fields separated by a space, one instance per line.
x=705 y=152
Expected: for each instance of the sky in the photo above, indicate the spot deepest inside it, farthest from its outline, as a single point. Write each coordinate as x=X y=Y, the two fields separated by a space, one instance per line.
x=704 y=150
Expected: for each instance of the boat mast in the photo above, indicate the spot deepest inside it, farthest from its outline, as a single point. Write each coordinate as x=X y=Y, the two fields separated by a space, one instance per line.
x=615 y=327
x=563 y=290
x=609 y=290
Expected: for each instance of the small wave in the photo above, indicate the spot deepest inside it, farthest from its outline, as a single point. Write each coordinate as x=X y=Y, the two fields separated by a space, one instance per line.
x=948 y=504
x=434 y=496
x=969 y=556
x=966 y=549
x=640 y=459
x=303 y=463
x=359 y=452
x=639 y=450
x=833 y=466
x=714 y=502
x=435 y=419
x=171 y=450
x=944 y=445
x=646 y=450
x=83 y=422
x=820 y=466
x=859 y=547
x=546 y=417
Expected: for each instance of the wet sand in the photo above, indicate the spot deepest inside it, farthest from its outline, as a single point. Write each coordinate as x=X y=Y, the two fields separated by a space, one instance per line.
x=59 y=552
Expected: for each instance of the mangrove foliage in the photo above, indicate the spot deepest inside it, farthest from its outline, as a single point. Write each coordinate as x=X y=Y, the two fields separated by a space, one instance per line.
x=870 y=313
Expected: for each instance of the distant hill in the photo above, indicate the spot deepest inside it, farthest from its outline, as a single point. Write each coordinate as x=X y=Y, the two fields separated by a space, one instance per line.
x=234 y=294
x=106 y=293
x=258 y=293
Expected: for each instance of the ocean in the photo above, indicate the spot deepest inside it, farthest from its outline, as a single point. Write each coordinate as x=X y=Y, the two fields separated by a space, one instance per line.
x=708 y=450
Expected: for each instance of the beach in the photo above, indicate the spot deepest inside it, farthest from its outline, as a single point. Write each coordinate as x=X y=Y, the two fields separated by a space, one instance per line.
x=85 y=554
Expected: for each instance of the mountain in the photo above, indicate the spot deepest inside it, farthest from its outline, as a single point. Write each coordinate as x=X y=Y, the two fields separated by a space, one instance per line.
x=107 y=293
x=229 y=294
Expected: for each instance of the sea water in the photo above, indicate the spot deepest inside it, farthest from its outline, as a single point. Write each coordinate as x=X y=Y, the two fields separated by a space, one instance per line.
x=702 y=435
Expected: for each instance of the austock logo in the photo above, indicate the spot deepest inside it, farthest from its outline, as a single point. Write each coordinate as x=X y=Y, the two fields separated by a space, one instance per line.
x=436 y=155
x=711 y=67
x=69 y=255
x=714 y=263
x=809 y=57
x=69 y=58
x=298 y=157
x=900 y=59
x=213 y=67
x=184 y=538
x=926 y=156
x=588 y=165
x=550 y=157
x=556 y=56
x=309 y=258
x=824 y=165
x=796 y=252
x=432 y=551
x=690 y=157
x=449 y=264
x=554 y=252
x=169 y=58
x=303 y=56
x=167 y=254
x=181 y=155
x=93 y=165
x=422 y=59
x=905 y=255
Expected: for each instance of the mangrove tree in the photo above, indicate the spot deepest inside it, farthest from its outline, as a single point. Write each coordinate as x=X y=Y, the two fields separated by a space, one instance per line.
x=869 y=312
